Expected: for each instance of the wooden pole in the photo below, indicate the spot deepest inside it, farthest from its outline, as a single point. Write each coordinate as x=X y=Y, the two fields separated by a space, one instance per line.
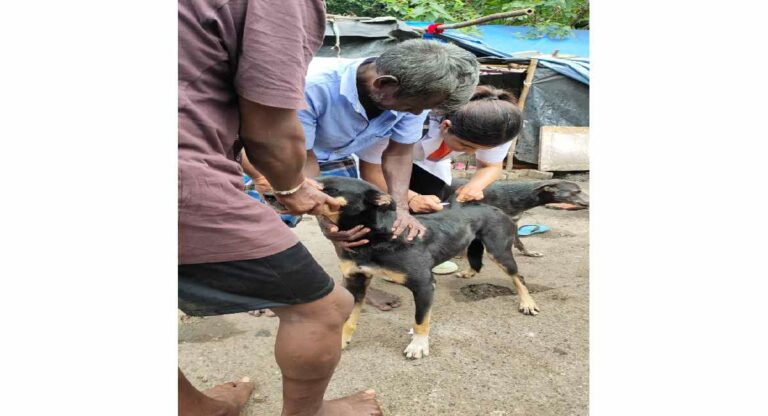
x=479 y=20
x=511 y=155
x=527 y=83
x=521 y=103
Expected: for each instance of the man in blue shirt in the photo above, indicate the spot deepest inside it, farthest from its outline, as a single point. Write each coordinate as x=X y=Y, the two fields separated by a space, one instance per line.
x=354 y=104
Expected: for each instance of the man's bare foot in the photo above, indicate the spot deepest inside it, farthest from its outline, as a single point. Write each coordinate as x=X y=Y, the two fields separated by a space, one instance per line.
x=266 y=312
x=234 y=394
x=382 y=300
x=363 y=403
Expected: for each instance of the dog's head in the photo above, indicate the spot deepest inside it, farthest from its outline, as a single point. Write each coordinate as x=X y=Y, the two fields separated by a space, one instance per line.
x=557 y=190
x=361 y=201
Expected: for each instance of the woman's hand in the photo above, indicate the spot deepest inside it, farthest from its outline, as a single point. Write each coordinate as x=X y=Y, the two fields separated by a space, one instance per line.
x=469 y=192
x=424 y=204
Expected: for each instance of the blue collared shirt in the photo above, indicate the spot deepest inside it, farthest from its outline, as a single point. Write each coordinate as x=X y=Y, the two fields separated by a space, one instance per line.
x=335 y=123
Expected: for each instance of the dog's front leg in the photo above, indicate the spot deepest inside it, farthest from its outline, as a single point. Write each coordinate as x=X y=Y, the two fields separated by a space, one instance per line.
x=527 y=304
x=357 y=284
x=423 y=289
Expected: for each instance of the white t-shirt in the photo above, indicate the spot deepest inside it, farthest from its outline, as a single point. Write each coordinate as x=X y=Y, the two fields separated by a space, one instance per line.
x=429 y=145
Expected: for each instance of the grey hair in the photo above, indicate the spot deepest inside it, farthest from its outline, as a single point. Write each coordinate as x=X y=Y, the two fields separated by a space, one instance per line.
x=430 y=68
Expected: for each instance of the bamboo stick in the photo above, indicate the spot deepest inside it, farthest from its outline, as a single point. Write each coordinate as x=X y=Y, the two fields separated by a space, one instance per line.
x=479 y=20
x=527 y=83
x=521 y=103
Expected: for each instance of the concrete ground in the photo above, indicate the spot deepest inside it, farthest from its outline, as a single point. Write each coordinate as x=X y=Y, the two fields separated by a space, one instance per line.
x=485 y=357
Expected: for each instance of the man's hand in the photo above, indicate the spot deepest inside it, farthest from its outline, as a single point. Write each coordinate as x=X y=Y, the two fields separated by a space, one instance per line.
x=469 y=192
x=344 y=239
x=425 y=203
x=406 y=221
x=308 y=200
x=262 y=185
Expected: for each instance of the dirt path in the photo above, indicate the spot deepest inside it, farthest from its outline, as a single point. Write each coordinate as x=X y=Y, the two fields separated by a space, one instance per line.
x=486 y=358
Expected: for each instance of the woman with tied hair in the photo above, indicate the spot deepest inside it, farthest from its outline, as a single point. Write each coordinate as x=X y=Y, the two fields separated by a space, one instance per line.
x=485 y=126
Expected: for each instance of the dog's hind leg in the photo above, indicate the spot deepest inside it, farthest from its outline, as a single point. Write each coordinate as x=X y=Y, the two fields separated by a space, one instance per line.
x=518 y=242
x=475 y=258
x=357 y=283
x=423 y=288
x=502 y=255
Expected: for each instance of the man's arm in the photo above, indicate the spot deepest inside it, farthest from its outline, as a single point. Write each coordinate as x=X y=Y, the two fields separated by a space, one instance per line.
x=372 y=173
x=397 y=162
x=247 y=166
x=417 y=203
x=311 y=166
x=274 y=144
x=261 y=183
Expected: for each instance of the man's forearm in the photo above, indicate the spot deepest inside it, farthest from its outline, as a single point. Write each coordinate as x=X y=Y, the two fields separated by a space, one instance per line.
x=311 y=166
x=273 y=139
x=373 y=173
x=397 y=167
x=280 y=160
x=248 y=167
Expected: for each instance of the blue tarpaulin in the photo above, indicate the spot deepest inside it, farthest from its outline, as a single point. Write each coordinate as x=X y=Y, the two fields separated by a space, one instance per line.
x=576 y=68
x=503 y=41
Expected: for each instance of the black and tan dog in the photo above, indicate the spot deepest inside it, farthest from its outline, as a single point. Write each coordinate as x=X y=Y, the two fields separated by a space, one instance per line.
x=449 y=232
x=514 y=198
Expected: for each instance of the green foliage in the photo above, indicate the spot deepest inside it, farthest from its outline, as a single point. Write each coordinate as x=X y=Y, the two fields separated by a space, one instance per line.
x=553 y=18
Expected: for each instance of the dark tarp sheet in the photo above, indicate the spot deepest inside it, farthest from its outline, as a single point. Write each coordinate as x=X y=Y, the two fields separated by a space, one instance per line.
x=553 y=100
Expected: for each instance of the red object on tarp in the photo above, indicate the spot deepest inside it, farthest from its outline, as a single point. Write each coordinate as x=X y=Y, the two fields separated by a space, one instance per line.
x=434 y=29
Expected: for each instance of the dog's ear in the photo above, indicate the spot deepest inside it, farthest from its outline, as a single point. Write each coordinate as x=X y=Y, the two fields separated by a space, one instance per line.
x=547 y=186
x=378 y=199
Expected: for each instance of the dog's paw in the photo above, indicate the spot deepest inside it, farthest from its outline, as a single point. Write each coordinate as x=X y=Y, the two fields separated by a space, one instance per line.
x=528 y=307
x=533 y=254
x=419 y=347
x=466 y=274
x=346 y=336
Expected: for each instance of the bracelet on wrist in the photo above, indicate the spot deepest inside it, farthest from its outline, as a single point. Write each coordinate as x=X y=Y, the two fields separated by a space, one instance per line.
x=288 y=192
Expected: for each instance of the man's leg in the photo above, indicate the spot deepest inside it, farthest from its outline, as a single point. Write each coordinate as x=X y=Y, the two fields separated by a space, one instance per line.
x=223 y=400
x=307 y=349
x=308 y=343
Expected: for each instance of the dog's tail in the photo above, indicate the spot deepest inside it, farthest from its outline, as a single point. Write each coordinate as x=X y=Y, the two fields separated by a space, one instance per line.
x=475 y=255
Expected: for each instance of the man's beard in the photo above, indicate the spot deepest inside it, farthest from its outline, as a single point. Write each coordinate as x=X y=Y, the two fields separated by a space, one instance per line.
x=376 y=100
